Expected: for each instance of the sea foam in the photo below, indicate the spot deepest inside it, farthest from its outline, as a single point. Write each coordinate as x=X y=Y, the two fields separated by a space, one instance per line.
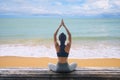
x=43 y=51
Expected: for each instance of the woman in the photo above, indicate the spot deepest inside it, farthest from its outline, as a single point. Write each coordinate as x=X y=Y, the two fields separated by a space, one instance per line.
x=62 y=52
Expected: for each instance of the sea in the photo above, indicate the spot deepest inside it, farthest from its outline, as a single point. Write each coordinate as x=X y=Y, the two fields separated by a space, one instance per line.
x=33 y=37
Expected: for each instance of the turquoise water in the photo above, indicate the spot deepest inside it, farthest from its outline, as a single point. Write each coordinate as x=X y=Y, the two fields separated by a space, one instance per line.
x=33 y=37
x=15 y=28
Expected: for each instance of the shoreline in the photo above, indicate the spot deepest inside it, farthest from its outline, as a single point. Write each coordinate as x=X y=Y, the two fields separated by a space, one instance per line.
x=42 y=62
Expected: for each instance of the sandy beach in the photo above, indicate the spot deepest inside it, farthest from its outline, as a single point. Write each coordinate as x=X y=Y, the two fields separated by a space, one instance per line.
x=11 y=61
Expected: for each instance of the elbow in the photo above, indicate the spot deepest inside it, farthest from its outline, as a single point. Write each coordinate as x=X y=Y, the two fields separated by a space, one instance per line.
x=55 y=34
x=69 y=34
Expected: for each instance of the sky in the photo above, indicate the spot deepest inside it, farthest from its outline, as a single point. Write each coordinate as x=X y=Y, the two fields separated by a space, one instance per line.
x=66 y=8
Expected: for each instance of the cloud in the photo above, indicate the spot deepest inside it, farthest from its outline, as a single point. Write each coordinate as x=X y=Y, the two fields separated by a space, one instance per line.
x=102 y=4
x=97 y=7
x=116 y=3
x=60 y=7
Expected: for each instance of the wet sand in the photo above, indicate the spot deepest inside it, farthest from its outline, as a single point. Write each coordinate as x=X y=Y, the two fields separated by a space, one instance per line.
x=11 y=61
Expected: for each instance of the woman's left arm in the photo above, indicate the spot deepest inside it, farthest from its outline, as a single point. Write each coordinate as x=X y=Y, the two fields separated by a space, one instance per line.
x=55 y=38
x=56 y=32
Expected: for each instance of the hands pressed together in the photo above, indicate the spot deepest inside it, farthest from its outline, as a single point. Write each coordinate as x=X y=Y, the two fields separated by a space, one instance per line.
x=62 y=23
x=68 y=32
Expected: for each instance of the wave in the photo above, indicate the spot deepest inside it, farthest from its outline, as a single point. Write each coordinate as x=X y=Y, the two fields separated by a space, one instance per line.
x=79 y=52
x=97 y=38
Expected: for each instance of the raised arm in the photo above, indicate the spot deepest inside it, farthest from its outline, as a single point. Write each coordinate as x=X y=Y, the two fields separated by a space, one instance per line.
x=68 y=32
x=55 y=35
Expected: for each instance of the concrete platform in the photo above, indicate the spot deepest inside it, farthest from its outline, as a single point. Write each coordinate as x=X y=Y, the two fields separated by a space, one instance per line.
x=89 y=73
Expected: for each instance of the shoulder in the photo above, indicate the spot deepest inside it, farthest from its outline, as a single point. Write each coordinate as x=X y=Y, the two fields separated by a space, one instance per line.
x=68 y=44
x=56 y=44
x=67 y=48
x=57 y=47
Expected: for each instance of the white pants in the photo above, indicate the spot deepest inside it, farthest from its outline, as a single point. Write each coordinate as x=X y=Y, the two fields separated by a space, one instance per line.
x=62 y=67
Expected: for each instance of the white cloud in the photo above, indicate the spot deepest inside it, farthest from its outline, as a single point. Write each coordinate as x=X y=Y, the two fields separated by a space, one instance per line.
x=58 y=3
x=103 y=4
x=61 y=7
x=116 y=2
x=97 y=7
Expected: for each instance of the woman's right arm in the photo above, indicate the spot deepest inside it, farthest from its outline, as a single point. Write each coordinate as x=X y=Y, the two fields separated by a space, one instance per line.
x=69 y=38
x=68 y=32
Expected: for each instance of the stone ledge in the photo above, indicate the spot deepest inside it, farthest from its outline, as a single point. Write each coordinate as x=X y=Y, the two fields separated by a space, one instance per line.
x=90 y=73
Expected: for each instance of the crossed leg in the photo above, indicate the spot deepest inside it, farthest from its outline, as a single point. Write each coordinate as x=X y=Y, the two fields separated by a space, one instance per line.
x=52 y=67
x=72 y=66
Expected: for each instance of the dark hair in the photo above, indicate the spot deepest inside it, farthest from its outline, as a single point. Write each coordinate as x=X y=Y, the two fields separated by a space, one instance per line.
x=62 y=37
